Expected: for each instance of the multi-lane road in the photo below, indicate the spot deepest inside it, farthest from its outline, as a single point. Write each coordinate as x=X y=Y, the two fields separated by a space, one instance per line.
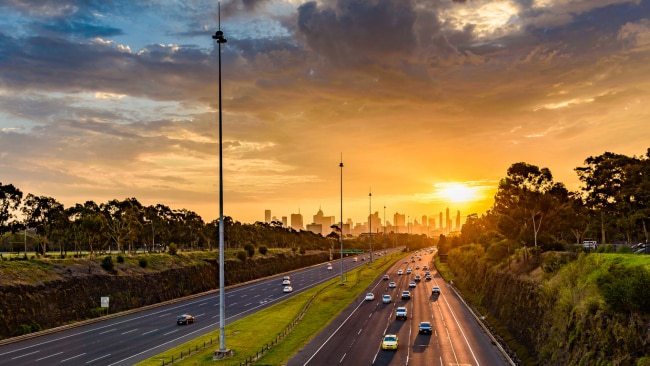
x=354 y=338
x=139 y=335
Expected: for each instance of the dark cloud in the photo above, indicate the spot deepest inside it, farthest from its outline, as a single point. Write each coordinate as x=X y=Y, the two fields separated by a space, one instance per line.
x=359 y=32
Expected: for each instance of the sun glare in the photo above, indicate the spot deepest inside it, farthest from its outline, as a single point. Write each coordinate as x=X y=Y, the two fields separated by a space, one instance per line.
x=458 y=193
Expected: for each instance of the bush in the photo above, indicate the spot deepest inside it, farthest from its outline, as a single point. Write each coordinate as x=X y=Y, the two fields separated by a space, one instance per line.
x=120 y=258
x=250 y=249
x=173 y=249
x=143 y=262
x=242 y=255
x=107 y=263
x=302 y=250
x=263 y=249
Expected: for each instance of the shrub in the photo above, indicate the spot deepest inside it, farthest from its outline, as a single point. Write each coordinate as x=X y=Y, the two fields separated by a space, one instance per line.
x=173 y=249
x=250 y=248
x=263 y=249
x=107 y=263
x=120 y=258
x=242 y=255
x=302 y=250
x=143 y=262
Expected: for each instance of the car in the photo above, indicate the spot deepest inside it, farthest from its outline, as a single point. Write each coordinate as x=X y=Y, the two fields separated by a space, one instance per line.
x=399 y=272
x=425 y=328
x=392 y=284
x=406 y=262
x=370 y=296
x=408 y=270
x=417 y=278
x=435 y=290
x=386 y=277
x=425 y=267
x=286 y=282
x=287 y=289
x=406 y=295
x=185 y=319
x=286 y=278
x=355 y=259
x=386 y=299
x=417 y=267
x=389 y=342
x=427 y=277
x=329 y=267
x=401 y=313
x=412 y=284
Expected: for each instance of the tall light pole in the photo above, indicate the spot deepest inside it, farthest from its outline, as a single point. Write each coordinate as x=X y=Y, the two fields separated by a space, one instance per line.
x=222 y=351
x=384 y=228
x=370 y=222
x=341 y=222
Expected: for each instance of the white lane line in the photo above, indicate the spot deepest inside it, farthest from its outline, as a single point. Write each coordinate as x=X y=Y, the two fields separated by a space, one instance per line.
x=25 y=355
x=471 y=350
x=164 y=315
x=98 y=358
x=151 y=331
x=173 y=331
x=108 y=331
x=73 y=357
x=130 y=331
x=43 y=358
x=341 y=360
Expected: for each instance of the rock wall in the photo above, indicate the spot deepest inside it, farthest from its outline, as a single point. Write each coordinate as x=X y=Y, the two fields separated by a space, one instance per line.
x=28 y=308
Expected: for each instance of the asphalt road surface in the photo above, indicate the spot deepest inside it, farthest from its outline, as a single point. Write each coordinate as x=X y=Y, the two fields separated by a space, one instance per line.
x=134 y=337
x=354 y=338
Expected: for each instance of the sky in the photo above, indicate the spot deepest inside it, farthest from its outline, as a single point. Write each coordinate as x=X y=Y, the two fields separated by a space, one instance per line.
x=426 y=103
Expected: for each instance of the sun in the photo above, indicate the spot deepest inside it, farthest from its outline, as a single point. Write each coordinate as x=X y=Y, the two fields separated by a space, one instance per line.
x=457 y=192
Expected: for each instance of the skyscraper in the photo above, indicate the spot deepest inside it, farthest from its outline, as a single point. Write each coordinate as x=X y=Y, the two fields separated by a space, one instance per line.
x=296 y=221
x=267 y=216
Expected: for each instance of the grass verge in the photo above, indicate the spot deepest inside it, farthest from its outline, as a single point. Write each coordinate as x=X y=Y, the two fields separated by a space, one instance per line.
x=272 y=328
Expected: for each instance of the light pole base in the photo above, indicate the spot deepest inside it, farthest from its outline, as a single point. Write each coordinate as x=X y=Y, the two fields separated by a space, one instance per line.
x=221 y=354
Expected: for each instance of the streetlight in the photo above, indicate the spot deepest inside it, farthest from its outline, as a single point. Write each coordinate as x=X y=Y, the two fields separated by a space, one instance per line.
x=370 y=222
x=222 y=351
x=341 y=222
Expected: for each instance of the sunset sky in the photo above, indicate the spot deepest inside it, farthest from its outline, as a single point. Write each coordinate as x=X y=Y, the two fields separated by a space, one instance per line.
x=426 y=102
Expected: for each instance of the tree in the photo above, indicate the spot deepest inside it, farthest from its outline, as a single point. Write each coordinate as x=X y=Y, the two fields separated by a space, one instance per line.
x=43 y=214
x=10 y=198
x=525 y=199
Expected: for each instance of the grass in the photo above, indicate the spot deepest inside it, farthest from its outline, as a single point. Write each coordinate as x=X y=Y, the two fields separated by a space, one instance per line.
x=248 y=336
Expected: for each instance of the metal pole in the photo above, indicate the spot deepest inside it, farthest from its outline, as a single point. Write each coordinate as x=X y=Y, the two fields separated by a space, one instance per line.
x=218 y=36
x=370 y=222
x=341 y=222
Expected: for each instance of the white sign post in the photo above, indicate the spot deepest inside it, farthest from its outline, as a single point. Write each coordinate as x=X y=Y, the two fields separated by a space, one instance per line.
x=104 y=302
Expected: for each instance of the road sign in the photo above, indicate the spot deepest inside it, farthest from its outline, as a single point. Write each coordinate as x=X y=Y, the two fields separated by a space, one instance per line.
x=352 y=250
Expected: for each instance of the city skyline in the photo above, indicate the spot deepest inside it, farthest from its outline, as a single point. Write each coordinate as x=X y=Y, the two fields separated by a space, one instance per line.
x=426 y=103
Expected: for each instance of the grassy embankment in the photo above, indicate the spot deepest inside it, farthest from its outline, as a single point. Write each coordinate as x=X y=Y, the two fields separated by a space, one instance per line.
x=248 y=336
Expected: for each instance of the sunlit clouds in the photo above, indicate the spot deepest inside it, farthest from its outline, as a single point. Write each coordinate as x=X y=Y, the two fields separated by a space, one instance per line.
x=427 y=102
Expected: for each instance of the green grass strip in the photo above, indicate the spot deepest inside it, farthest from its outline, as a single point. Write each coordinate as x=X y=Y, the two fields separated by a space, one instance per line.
x=271 y=328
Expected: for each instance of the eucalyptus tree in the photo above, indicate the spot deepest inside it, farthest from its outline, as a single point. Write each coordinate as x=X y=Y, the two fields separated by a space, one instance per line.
x=10 y=199
x=525 y=199
x=618 y=188
x=44 y=214
x=122 y=220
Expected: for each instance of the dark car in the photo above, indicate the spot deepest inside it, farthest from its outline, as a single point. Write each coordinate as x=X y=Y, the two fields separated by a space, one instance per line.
x=406 y=295
x=185 y=319
x=425 y=328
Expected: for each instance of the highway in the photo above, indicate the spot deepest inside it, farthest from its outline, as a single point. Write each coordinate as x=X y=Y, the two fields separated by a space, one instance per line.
x=136 y=336
x=354 y=338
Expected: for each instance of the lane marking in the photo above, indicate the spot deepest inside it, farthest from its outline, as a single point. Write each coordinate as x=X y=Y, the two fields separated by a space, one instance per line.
x=98 y=358
x=72 y=358
x=43 y=358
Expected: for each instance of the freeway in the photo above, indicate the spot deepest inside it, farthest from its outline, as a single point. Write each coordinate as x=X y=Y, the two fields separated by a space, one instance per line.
x=354 y=338
x=136 y=336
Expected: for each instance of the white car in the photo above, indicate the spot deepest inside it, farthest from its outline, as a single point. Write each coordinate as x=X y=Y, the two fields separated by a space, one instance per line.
x=370 y=296
x=288 y=289
x=286 y=282
x=386 y=299
x=399 y=272
x=392 y=285
x=329 y=266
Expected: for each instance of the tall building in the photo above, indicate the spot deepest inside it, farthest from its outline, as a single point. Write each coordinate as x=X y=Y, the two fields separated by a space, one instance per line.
x=296 y=221
x=458 y=220
x=267 y=216
x=440 y=222
x=324 y=221
x=400 y=222
x=374 y=222
x=284 y=221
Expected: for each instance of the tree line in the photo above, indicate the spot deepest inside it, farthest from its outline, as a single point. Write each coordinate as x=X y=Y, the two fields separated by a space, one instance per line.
x=531 y=210
x=129 y=226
